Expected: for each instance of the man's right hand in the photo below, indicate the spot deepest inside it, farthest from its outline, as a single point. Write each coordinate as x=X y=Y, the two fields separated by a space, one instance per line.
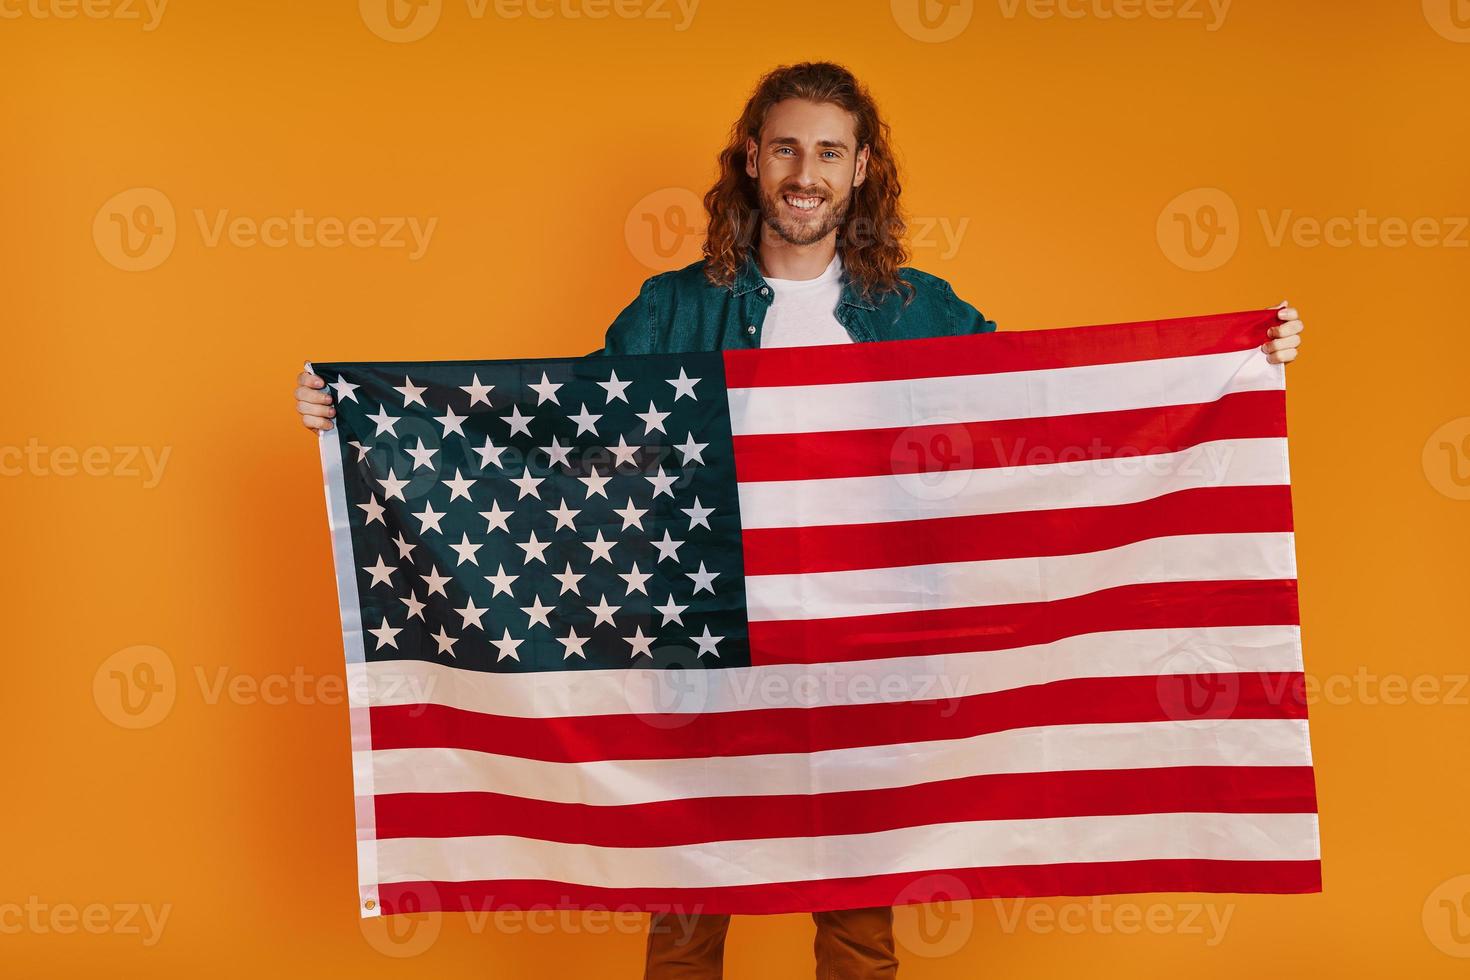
x=312 y=401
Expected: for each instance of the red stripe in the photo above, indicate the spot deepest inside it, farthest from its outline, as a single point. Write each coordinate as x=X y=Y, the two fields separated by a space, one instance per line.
x=1020 y=534
x=764 y=731
x=959 y=884
x=1003 y=796
x=1008 y=442
x=993 y=353
x=1162 y=605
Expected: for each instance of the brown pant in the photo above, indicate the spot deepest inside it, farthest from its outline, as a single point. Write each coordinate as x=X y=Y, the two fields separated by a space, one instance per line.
x=851 y=944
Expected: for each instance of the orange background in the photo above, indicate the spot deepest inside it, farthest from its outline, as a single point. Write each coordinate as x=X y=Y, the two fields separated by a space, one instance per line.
x=1052 y=147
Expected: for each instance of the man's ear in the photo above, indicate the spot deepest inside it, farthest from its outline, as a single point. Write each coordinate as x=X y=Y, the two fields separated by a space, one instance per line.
x=860 y=173
x=752 y=169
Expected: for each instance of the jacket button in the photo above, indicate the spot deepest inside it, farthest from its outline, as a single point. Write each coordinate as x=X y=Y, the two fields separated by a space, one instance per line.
x=765 y=291
x=750 y=330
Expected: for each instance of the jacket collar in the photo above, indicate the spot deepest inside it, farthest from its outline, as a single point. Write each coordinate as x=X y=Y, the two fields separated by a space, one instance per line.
x=749 y=278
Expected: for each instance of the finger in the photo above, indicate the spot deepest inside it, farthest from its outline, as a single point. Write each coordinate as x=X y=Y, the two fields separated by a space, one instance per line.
x=1281 y=305
x=1285 y=329
x=313 y=396
x=321 y=411
x=1282 y=357
x=1287 y=313
x=1285 y=343
x=312 y=422
x=309 y=380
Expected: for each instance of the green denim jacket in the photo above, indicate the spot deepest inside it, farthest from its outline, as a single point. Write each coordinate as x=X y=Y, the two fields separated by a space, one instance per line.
x=681 y=311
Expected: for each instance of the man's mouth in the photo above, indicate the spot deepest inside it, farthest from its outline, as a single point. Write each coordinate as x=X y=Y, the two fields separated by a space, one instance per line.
x=802 y=203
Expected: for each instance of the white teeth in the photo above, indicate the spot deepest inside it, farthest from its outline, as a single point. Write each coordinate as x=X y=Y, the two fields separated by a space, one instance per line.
x=803 y=203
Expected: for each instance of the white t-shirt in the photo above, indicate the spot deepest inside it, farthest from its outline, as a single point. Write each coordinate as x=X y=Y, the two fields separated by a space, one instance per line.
x=804 y=311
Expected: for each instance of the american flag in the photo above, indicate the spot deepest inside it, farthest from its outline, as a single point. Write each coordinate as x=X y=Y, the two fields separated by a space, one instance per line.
x=789 y=630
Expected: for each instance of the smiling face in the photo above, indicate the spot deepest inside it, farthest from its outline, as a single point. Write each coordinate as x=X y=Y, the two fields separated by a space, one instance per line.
x=806 y=166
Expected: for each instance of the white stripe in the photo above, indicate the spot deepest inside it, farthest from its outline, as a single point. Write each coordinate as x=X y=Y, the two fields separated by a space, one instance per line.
x=358 y=713
x=1009 y=489
x=953 y=585
x=945 y=677
x=1052 y=748
x=977 y=843
x=1191 y=380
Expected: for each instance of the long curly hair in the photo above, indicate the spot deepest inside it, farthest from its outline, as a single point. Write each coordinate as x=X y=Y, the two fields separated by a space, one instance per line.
x=871 y=236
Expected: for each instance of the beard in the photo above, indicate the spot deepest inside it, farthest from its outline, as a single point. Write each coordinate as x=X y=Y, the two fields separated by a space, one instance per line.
x=797 y=230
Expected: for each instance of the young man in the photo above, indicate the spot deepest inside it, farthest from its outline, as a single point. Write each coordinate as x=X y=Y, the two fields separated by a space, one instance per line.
x=804 y=246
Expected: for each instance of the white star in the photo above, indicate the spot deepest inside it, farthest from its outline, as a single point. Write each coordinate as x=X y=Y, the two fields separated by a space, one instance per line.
x=470 y=615
x=568 y=580
x=624 y=453
x=501 y=582
x=653 y=420
x=632 y=516
x=496 y=517
x=507 y=647
x=545 y=391
x=572 y=644
x=450 y=421
x=706 y=642
x=476 y=391
x=386 y=634
x=693 y=451
x=415 y=608
x=490 y=453
x=600 y=548
x=362 y=450
x=537 y=612
x=564 y=515
x=684 y=385
x=466 y=550
x=586 y=421
x=445 y=641
x=595 y=483
x=459 y=487
x=698 y=515
x=422 y=456
x=345 y=389
x=662 y=483
x=429 y=518
x=603 y=611
x=527 y=484
x=534 y=549
x=382 y=573
x=671 y=612
x=435 y=581
x=404 y=548
x=703 y=580
x=635 y=580
x=393 y=487
x=374 y=511
x=384 y=421
x=640 y=643
x=557 y=452
x=668 y=547
x=518 y=422
x=411 y=392
x=614 y=387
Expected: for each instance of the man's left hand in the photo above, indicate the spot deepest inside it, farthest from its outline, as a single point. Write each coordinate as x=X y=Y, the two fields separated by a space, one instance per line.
x=1286 y=336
